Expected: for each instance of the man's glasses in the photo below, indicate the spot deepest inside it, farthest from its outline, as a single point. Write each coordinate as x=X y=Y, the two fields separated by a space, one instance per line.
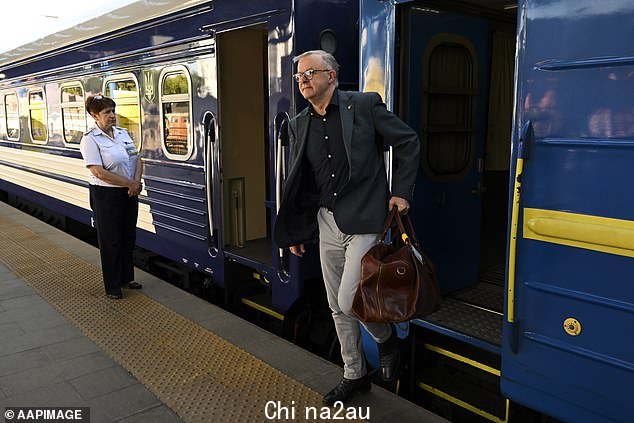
x=308 y=74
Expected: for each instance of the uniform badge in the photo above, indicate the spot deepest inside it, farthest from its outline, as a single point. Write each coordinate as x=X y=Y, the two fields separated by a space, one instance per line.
x=131 y=149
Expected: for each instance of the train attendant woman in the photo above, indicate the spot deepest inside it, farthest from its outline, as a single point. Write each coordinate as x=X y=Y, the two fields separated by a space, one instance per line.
x=115 y=183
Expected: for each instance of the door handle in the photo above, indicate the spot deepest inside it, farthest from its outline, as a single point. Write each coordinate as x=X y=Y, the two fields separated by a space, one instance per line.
x=479 y=189
x=281 y=142
x=210 y=127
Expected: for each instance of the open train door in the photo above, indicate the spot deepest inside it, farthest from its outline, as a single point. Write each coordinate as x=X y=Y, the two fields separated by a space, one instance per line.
x=568 y=349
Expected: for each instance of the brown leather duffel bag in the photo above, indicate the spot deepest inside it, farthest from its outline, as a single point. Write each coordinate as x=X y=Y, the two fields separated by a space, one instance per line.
x=396 y=284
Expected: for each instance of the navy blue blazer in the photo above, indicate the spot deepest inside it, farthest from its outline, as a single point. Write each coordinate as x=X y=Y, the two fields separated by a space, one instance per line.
x=361 y=205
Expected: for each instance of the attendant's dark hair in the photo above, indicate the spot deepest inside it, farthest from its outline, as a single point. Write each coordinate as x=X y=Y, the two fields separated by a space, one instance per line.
x=98 y=102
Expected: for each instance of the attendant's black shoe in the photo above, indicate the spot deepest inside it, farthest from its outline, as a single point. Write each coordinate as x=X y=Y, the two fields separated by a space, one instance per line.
x=115 y=296
x=389 y=357
x=346 y=390
x=133 y=285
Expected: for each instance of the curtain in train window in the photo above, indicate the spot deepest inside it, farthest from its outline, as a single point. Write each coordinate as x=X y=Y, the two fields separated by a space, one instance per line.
x=448 y=130
x=12 y=116
x=3 y=122
x=37 y=115
x=73 y=113
x=175 y=110
x=500 y=122
x=125 y=94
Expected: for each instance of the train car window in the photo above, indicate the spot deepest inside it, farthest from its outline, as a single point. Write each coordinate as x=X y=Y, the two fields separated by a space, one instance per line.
x=73 y=113
x=37 y=116
x=12 y=116
x=449 y=112
x=175 y=113
x=125 y=92
x=3 y=122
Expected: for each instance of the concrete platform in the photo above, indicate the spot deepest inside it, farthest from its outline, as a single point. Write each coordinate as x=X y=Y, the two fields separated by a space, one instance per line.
x=47 y=361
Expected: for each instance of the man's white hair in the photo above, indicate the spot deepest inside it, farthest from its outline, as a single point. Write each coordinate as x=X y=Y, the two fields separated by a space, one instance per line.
x=328 y=60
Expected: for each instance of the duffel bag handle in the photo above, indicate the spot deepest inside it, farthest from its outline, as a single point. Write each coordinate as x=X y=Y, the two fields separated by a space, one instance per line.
x=410 y=228
x=386 y=226
x=388 y=223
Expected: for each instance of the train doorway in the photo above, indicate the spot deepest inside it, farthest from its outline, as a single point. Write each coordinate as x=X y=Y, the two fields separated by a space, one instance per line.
x=243 y=82
x=448 y=97
x=457 y=93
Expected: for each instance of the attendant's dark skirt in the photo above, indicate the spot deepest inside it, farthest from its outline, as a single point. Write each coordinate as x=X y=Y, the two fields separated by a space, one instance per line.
x=115 y=219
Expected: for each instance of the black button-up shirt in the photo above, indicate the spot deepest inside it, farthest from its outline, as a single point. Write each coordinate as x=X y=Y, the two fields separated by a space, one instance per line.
x=326 y=152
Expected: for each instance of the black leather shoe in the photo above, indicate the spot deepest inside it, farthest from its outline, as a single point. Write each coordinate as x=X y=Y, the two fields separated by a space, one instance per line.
x=115 y=296
x=346 y=389
x=133 y=285
x=389 y=357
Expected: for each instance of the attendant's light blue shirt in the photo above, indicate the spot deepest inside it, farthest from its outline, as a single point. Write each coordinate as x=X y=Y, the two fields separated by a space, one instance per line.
x=117 y=155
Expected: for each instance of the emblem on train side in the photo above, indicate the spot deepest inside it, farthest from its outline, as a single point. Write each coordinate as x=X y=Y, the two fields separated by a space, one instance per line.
x=148 y=79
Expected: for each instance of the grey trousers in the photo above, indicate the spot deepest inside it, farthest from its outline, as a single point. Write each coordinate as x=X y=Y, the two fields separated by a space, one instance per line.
x=341 y=267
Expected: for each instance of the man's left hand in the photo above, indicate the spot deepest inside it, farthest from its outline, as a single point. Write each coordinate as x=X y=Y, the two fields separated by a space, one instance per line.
x=401 y=203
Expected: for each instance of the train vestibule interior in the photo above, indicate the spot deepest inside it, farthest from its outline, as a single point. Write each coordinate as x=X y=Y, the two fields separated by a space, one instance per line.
x=456 y=90
x=243 y=108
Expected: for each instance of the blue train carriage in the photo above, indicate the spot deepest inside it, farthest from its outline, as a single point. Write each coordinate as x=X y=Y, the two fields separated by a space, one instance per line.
x=522 y=199
x=205 y=92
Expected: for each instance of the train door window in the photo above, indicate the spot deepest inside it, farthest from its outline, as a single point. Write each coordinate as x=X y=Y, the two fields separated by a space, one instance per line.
x=12 y=116
x=449 y=90
x=176 y=113
x=37 y=116
x=3 y=122
x=73 y=113
x=124 y=90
